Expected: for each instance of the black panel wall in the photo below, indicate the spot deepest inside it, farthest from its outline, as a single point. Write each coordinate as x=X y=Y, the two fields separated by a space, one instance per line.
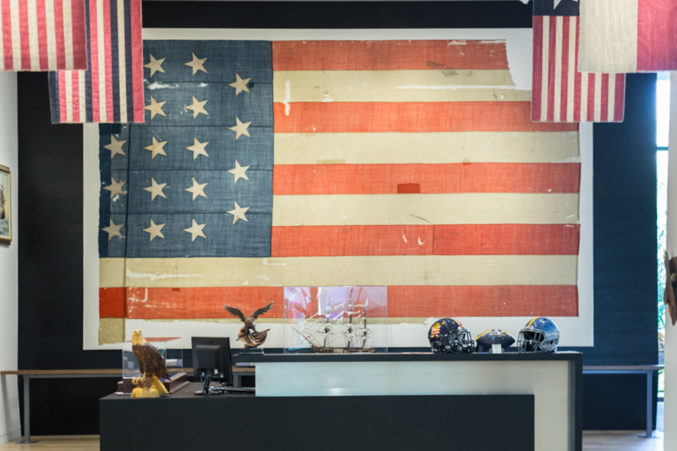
x=50 y=213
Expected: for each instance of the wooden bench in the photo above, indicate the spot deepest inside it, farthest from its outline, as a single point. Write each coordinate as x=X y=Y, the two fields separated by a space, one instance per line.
x=113 y=373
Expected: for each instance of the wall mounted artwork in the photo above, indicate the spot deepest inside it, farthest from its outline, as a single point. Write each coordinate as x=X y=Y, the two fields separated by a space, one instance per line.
x=403 y=160
x=5 y=205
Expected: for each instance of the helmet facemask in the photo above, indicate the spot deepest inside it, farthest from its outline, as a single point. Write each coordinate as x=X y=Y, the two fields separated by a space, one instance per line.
x=530 y=340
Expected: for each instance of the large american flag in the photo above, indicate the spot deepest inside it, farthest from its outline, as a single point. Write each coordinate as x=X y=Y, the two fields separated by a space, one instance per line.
x=111 y=89
x=41 y=35
x=562 y=93
x=407 y=164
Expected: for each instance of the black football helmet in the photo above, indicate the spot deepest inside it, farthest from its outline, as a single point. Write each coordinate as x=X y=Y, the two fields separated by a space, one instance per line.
x=493 y=337
x=540 y=334
x=448 y=335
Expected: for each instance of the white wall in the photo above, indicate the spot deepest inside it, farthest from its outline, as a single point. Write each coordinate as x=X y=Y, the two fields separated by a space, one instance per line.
x=9 y=264
x=670 y=436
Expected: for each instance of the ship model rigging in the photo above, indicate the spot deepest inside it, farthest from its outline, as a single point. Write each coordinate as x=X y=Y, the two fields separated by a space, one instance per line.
x=341 y=328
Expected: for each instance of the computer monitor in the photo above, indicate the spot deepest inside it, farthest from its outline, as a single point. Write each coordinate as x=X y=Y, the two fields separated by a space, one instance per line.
x=211 y=359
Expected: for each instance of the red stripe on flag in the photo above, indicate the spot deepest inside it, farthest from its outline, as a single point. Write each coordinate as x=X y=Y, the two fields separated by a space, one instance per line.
x=309 y=241
x=59 y=33
x=112 y=302
x=536 y=99
x=388 y=55
x=108 y=69
x=403 y=301
x=23 y=31
x=136 y=50
x=42 y=34
x=656 y=37
x=463 y=239
x=308 y=117
x=431 y=178
x=61 y=77
x=75 y=95
x=94 y=63
x=457 y=301
x=79 y=34
x=506 y=239
x=619 y=102
x=551 y=68
x=604 y=95
x=170 y=303
x=564 y=87
x=7 y=35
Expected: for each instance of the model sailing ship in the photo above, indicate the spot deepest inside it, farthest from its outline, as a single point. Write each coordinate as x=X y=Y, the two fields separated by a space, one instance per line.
x=342 y=328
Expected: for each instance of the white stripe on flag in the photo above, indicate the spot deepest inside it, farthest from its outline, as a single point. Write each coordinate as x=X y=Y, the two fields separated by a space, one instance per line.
x=51 y=33
x=612 y=98
x=122 y=68
x=571 y=76
x=16 y=34
x=557 y=97
x=608 y=35
x=584 y=96
x=69 y=95
x=332 y=271
x=68 y=32
x=102 y=61
x=544 y=68
x=598 y=97
x=83 y=97
x=33 y=44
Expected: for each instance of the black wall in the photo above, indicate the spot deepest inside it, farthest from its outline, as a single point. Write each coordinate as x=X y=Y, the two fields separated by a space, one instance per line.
x=50 y=215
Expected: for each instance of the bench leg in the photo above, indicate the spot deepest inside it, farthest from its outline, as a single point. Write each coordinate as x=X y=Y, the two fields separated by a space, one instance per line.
x=649 y=406
x=27 y=409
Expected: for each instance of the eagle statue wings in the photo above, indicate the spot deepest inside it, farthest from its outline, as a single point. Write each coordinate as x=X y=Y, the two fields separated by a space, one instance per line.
x=248 y=334
x=151 y=362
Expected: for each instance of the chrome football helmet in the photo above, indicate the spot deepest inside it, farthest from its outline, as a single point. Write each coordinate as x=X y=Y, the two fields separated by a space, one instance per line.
x=448 y=335
x=540 y=334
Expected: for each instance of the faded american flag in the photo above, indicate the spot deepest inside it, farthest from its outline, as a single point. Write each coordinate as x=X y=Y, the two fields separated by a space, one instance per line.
x=407 y=164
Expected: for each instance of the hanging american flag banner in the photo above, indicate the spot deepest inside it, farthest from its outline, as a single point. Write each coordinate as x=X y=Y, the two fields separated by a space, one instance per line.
x=412 y=165
x=111 y=90
x=561 y=93
x=628 y=35
x=42 y=35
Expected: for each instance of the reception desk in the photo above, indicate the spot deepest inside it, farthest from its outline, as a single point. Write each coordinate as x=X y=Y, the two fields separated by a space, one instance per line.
x=394 y=401
x=553 y=379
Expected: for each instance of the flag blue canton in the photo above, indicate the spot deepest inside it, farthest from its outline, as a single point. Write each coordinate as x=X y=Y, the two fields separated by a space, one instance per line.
x=187 y=143
x=556 y=8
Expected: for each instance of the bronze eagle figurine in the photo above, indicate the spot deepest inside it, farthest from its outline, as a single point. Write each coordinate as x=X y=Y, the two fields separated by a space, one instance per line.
x=151 y=362
x=248 y=334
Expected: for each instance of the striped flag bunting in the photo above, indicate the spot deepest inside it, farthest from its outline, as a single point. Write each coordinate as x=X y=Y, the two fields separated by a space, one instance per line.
x=628 y=35
x=562 y=93
x=42 y=35
x=411 y=165
x=111 y=90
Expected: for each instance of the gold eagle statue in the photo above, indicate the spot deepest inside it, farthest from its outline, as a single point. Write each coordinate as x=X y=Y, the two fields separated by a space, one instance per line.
x=151 y=364
x=248 y=334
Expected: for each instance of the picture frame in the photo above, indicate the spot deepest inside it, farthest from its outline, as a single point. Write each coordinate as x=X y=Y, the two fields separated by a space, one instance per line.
x=5 y=205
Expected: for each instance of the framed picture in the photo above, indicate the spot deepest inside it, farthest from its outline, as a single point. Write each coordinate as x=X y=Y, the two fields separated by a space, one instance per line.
x=5 y=205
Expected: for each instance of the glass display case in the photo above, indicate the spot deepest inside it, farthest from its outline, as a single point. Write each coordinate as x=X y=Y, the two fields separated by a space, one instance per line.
x=335 y=319
x=130 y=365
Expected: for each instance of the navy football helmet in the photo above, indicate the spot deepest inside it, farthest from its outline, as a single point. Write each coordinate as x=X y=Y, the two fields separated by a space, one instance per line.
x=540 y=334
x=493 y=337
x=448 y=335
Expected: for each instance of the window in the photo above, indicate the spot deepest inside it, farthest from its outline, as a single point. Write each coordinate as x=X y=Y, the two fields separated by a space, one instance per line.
x=662 y=137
